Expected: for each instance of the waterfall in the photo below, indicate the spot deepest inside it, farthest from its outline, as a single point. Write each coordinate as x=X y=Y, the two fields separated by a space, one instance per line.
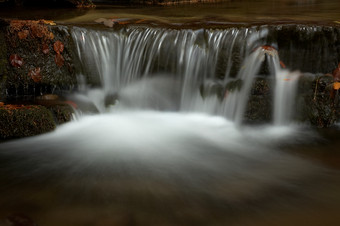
x=284 y=97
x=127 y=61
x=167 y=144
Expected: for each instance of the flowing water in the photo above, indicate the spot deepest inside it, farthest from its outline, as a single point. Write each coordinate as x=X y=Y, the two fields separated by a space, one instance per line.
x=155 y=150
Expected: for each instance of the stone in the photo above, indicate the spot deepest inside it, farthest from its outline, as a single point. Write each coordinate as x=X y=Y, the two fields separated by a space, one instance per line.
x=18 y=121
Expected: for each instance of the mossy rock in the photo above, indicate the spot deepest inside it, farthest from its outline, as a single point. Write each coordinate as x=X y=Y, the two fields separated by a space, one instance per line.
x=316 y=100
x=18 y=121
x=43 y=63
x=3 y=60
x=62 y=113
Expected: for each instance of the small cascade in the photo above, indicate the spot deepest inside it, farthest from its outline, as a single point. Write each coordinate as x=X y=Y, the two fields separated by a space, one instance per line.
x=192 y=57
x=235 y=103
x=284 y=97
x=126 y=61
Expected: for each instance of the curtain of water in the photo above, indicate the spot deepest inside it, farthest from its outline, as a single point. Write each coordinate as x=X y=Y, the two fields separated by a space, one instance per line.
x=285 y=92
x=194 y=58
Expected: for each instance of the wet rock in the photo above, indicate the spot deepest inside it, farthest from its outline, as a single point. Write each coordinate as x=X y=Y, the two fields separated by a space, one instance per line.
x=260 y=103
x=213 y=89
x=316 y=104
x=308 y=48
x=258 y=110
x=24 y=120
x=31 y=59
x=3 y=58
x=62 y=113
x=61 y=109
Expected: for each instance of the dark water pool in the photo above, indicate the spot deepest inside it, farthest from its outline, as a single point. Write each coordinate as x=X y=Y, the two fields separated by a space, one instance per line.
x=232 y=11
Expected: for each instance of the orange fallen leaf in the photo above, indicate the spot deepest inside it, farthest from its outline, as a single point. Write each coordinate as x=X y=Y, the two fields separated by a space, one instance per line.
x=282 y=64
x=23 y=34
x=35 y=74
x=286 y=79
x=16 y=61
x=45 y=49
x=336 y=85
x=49 y=22
x=51 y=36
x=59 y=60
x=71 y=103
x=270 y=48
x=58 y=47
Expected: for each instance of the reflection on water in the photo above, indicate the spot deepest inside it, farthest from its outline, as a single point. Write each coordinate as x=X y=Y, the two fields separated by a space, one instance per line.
x=239 y=10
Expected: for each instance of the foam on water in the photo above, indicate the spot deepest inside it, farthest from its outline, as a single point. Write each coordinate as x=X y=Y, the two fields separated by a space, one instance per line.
x=197 y=149
x=160 y=126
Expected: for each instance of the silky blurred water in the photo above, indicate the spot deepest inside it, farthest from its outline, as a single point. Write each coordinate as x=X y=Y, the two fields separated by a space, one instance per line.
x=142 y=162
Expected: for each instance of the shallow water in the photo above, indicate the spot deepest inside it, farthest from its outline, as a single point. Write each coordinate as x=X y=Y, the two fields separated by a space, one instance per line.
x=159 y=168
x=232 y=11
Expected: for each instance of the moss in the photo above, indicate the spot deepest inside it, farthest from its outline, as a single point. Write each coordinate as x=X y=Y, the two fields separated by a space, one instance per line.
x=3 y=61
x=33 y=41
x=316 y=104
x=24 y=120
x=258 y=109
x=61 y=113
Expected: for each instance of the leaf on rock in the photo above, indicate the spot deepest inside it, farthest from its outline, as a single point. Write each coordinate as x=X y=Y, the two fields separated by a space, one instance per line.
x=336 y=74
x=51 y=36
x=270 y=50
x=59 y=60
x=35 y=74
x=71 y=103
x=282 y=64
x=16 y=25
x=49 y=22
x=58 y=47
x=38 y=30
x=16 y=61
x=45 y=49
x=336 y=85
x=23 y=34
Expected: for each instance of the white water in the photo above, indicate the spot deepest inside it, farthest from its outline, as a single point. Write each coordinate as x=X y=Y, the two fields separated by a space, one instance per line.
x=285 y=93
x=194 y=152
x=158 y=129
x=124 y=57
x=177 y=63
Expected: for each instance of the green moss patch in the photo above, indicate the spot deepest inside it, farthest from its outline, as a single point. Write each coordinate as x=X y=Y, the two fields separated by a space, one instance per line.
x=24 y=120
